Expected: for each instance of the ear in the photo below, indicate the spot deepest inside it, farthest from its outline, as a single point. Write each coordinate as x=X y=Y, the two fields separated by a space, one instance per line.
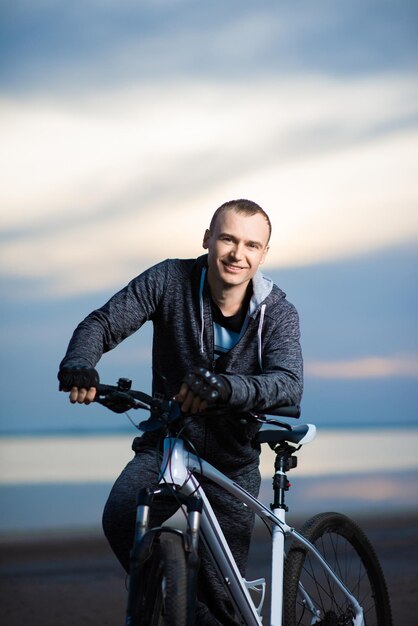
x=263 y=258
x=206 y=238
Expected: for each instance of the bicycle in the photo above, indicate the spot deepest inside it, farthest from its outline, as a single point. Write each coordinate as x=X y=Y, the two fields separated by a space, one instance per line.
x=329 y=576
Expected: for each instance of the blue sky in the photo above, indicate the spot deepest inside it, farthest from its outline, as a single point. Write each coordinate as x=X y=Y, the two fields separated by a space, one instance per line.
x=125 y=124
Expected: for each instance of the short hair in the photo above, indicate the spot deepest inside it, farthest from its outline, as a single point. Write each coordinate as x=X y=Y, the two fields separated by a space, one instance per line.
x=247 y=207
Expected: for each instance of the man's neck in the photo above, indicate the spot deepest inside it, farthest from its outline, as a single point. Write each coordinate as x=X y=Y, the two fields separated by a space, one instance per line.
x=229 y=299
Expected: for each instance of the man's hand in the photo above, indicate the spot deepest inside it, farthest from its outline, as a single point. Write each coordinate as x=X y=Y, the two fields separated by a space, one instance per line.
x=202 y=389
x=80 y=381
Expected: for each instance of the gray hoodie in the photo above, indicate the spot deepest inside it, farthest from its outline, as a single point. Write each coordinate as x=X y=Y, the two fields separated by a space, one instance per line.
x=264 y=368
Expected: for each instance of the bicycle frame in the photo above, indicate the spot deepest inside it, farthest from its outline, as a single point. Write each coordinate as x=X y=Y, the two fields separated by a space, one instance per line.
x=178 y=468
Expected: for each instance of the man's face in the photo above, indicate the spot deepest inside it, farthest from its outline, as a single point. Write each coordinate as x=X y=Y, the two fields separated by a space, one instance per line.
x=236 y=247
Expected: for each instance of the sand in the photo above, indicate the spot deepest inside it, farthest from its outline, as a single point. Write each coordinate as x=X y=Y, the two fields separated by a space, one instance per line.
x=73 y=579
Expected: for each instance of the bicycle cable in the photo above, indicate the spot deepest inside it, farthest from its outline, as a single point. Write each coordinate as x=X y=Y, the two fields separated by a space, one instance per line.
x=132 y=421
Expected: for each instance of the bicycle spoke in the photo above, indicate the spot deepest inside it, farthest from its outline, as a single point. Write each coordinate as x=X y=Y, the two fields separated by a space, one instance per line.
x=350 y=556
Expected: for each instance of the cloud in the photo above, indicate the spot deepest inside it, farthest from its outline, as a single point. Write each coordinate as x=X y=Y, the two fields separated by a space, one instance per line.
x=112 y=181
x=90 y=43
x=404 y=366
x=78 y=153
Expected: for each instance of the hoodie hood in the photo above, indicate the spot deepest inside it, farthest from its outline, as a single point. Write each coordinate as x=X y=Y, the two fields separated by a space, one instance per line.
x=262 y=287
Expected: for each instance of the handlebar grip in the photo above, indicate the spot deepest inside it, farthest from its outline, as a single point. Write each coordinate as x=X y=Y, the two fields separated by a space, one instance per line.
x=102 y=390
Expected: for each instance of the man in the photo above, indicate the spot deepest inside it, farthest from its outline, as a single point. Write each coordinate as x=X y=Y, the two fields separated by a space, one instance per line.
x=216 y=314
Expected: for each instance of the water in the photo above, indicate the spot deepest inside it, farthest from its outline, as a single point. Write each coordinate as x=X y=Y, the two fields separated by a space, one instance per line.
x=58 y=482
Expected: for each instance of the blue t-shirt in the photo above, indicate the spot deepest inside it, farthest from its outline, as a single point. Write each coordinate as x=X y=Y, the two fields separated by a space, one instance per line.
x=227 y=330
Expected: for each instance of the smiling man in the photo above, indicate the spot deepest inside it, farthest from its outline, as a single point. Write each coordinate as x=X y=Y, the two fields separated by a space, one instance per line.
x=224 y=335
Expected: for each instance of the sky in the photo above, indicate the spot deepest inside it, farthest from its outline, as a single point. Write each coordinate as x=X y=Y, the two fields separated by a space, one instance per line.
x=125 y=124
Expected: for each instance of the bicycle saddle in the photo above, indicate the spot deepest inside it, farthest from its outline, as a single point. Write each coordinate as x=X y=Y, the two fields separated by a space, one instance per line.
x=273 y=433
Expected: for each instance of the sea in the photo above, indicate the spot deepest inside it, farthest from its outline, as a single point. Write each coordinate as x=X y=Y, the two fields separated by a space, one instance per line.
x=59 y=483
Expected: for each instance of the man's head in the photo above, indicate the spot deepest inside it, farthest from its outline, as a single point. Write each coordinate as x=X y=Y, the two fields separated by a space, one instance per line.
x=237 y=243
x=243 y=207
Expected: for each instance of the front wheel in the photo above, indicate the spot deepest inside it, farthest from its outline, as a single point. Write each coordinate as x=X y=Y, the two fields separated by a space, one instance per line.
x=163 y=600
x=351 y=556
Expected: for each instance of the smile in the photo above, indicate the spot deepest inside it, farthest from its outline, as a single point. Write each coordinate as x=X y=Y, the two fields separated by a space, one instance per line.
x=232 y=268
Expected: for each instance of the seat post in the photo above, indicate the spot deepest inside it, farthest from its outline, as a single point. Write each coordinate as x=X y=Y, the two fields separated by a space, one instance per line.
x=283 y=463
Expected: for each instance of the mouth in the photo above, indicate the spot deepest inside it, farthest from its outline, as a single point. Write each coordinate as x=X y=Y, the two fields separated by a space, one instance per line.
x=230 y=267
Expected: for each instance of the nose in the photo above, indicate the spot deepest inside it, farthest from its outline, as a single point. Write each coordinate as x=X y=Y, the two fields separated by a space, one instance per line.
x=236 y=251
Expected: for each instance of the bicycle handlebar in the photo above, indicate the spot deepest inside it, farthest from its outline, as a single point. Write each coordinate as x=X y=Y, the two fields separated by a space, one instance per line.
x=122 y=398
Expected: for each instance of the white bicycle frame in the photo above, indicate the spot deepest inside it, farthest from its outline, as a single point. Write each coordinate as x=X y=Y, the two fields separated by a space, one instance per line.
x=178 y=468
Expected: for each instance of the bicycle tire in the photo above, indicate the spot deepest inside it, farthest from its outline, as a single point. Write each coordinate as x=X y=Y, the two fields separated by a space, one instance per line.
x=163 y=601
x=349 y=553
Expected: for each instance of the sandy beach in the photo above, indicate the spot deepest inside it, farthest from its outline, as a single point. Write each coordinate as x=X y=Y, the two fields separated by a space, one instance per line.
x=66 y=579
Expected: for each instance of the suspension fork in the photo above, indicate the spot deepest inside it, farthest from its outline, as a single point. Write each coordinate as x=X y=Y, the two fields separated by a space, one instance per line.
x=144 y=538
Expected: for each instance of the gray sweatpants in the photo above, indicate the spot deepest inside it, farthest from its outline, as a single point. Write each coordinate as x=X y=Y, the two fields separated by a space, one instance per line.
x=214 y=607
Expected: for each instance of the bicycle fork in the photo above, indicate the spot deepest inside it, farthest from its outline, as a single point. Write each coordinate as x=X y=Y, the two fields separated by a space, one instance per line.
x=144 y=540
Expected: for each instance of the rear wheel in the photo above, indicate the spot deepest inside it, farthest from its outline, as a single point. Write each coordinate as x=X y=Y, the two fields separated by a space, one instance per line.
x=163 y=601
x=351 y=556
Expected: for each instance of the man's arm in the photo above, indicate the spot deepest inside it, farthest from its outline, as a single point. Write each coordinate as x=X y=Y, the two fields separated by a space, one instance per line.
x=281 y=381
x=280 y=384
x=106 y=327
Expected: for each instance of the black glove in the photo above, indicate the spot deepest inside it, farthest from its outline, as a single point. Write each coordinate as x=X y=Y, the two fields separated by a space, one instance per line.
x=214 y=388
x=82 y=377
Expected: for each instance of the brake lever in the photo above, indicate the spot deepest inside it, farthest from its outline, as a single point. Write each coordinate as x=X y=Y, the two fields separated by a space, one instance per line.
x=120 y=402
